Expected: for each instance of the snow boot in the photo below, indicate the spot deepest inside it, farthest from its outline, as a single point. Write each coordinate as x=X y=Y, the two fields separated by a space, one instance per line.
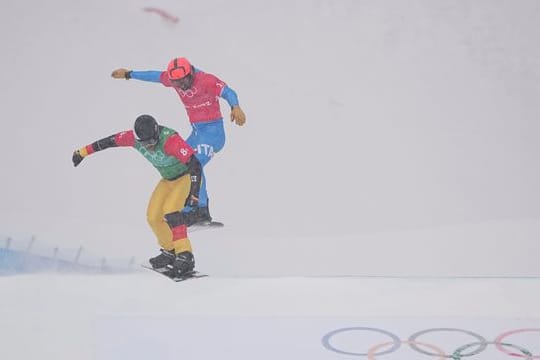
x=199 y=215
x=183 y=264
x=163 y=260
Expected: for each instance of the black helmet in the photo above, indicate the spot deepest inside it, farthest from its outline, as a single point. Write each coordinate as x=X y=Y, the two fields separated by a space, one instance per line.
x=147 y=130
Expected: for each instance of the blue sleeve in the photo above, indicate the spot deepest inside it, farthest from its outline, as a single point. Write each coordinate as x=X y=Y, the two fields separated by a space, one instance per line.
x=152 y=76
x=230 y=95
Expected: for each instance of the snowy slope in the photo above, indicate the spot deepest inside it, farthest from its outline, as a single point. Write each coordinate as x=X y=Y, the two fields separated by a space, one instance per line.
x=143 y=316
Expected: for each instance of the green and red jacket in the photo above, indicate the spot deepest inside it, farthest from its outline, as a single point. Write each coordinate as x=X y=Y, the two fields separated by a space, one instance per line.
x=171 y=156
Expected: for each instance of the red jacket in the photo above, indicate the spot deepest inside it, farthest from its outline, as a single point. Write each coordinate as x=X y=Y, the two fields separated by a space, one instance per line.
x=202 y=99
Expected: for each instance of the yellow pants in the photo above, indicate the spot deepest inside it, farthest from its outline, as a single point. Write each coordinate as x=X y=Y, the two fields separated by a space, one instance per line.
x=168 y=197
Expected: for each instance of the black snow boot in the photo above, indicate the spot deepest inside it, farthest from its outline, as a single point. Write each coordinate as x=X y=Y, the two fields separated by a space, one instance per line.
x=199 y=215
x=184 y=263
x=203 y=215
x=162 y=260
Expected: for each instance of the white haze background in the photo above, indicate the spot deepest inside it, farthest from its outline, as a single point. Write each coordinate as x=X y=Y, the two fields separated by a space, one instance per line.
x=383 y=137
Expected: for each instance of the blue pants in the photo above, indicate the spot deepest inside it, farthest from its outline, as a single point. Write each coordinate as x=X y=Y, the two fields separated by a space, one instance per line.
x=207 y=139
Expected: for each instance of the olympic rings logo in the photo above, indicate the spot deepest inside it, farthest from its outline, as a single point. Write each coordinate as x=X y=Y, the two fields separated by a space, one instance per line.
x=467 y=350
x=187 y=93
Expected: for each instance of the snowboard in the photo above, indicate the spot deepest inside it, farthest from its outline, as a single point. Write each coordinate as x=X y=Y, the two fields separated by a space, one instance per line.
x=213 y=225
x=175 y=278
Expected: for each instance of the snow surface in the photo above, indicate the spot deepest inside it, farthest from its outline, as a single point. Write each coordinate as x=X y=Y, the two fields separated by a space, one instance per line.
x=145 y=315
x=391 y=147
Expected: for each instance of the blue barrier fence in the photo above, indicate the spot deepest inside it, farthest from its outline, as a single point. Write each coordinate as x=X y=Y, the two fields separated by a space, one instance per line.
x=19 y=257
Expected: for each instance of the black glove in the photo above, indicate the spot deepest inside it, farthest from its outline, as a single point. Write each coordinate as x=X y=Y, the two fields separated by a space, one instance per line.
x=77 y=158
x=192 y=201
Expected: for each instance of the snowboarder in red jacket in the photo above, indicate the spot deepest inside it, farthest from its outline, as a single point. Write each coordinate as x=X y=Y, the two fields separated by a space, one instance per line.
x=199 y=92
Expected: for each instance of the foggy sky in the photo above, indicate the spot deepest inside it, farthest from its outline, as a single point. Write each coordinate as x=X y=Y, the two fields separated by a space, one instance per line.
x=363 y=118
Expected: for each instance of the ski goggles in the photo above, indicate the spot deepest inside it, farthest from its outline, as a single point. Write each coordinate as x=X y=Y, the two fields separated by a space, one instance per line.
x=148 y=142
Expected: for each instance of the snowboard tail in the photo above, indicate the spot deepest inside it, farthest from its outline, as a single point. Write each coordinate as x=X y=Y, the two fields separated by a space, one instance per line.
x=212 y=225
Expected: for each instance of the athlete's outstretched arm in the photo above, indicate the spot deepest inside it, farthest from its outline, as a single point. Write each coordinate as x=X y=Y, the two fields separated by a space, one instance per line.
x=149 y=75
x=230 y=96
x=124 y=138
x=237 y=114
